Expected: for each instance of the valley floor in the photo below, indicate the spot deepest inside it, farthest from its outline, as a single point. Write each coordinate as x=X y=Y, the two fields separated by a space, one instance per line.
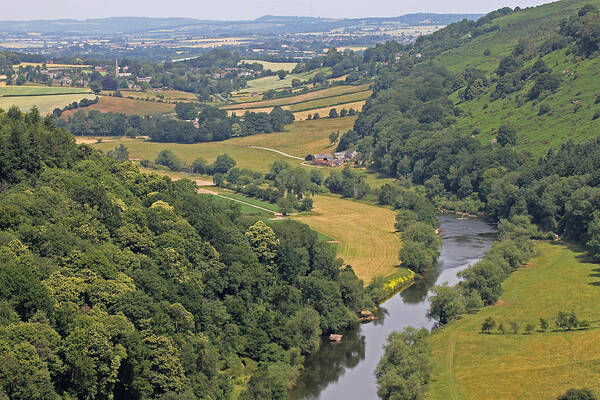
x=541 y=365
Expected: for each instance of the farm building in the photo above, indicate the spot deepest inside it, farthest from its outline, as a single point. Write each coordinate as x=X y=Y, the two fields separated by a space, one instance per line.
x=345 y=155
x=331 y=160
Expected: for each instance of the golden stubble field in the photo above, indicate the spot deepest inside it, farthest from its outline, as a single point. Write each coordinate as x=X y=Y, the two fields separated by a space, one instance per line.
x=366 y=234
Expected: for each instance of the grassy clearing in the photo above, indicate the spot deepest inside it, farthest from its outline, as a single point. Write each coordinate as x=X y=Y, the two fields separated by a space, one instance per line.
x=318 y=94
x=39 y=90
x=127 y=106
x=273 y=66
x=366 y=234
x=45 y=104
x=470 y=365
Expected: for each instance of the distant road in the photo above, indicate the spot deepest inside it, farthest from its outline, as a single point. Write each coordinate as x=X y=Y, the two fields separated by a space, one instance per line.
x=277 y=151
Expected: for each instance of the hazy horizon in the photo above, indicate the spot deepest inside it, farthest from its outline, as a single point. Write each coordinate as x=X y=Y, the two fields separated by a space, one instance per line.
x=243 y=10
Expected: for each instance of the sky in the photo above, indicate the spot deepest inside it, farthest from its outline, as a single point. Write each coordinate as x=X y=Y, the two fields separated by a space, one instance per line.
x=244 y=9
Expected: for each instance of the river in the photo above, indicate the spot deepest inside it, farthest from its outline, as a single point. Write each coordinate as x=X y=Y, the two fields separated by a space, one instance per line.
x=345 y=371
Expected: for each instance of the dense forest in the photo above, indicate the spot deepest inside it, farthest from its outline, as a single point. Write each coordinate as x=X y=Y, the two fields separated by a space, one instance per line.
x=213 y=124
x=117 y=284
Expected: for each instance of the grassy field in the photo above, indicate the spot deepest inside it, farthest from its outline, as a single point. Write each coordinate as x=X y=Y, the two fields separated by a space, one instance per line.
x=300 y=138
x=303 y=97
x=470 y=365
x=366 y=234
x=39 y=90
x=45 y=104
x=255 y=159
x=273 y=66
x=250 y=200
x=127 y=106
x=273 y=82
x=169 y=95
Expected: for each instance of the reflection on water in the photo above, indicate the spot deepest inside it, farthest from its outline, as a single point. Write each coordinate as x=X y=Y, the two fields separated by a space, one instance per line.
x=346 y=370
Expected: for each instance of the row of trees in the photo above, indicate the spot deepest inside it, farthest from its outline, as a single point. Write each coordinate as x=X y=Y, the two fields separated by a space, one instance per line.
x=118 y=284
x=564 y=320
x=213 y=124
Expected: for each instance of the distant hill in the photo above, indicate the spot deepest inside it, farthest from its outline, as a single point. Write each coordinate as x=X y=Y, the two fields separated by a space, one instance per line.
x=265 y=24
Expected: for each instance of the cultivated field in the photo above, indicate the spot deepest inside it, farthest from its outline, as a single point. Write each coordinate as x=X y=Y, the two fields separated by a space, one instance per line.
x=127 y=106
x=302 y=113
x=323 y=112
x=273 y=66
x=39 y=90
x=45 y=104
x=542 y=365
x=51 y=66
x=366 y=234
x=304 y=97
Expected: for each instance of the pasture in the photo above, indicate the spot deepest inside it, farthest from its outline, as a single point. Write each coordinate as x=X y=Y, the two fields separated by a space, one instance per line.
x=366 y=234
x=273 y=66
x=127 y=106
x=300 y=138
x=168 y=95
x=273 y=82
x=471 y=365
x=45 y=104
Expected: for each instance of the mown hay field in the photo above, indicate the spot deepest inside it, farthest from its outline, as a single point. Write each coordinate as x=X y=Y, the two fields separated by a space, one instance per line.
x=542 y=365
x=39 y=90
x=127 y=106
x=45 y=104
x=366 y=234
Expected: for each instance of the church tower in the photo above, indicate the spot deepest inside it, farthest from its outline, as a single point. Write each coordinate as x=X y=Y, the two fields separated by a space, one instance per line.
x=116 y=67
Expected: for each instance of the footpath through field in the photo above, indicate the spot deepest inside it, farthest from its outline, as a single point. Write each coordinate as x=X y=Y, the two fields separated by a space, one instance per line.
x=277 y=151
x=208 y=191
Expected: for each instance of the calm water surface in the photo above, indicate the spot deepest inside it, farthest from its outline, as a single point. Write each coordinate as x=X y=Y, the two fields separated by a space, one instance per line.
x=345 y=371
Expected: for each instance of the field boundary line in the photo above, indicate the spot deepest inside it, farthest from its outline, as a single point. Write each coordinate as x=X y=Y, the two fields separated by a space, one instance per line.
x=277 y=151
x=208 y=191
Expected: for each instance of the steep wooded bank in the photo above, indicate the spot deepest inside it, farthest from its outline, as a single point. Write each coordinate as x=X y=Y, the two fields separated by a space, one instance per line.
x=116 y=284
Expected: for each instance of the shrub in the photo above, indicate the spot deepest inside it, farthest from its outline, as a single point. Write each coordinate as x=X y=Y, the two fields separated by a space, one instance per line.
x=596 y=115
x=544 y=109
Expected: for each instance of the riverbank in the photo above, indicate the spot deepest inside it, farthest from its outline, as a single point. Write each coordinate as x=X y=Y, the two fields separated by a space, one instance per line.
x=471 y=365
x=346 y=370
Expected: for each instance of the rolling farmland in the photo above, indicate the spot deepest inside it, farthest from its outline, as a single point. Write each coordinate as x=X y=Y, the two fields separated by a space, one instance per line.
x=45 y=104
x=127 y=106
